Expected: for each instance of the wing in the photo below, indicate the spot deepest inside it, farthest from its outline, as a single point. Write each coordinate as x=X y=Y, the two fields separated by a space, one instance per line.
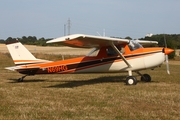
x=87 y=41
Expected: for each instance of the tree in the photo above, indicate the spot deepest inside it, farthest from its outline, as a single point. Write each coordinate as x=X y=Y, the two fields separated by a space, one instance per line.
x=10 y=39
x=129 y=38
x=2 y=41
x=41 y=42
x=31 y=40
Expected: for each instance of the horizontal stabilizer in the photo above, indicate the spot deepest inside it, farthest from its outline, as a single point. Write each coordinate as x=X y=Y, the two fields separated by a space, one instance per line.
x=13 y=68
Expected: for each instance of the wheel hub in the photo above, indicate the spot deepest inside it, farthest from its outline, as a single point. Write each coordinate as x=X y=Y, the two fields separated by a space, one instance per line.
x=130 y=81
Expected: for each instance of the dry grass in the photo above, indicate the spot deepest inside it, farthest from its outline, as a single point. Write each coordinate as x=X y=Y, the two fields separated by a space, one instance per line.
x=61 y=50
x=88 y=96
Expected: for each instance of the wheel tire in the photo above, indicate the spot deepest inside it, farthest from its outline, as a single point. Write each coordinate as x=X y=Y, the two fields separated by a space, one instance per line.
x=130 y=80
x=146 y=78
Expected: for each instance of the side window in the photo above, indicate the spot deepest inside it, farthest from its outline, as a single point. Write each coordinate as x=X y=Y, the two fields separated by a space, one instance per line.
x=111 y=52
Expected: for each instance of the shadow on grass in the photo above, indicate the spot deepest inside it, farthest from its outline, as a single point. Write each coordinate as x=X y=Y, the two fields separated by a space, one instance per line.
x=26 y=81
x=77 y=83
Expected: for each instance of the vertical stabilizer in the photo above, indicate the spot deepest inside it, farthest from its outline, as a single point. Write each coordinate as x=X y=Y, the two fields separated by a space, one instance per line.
x=20 y=54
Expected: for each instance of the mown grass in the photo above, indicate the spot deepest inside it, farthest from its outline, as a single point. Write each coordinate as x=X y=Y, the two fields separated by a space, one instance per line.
x=88 y=96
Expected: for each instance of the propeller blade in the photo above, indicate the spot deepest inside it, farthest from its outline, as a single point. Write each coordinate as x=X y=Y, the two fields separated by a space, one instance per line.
x=167 y=64
x=166 y=52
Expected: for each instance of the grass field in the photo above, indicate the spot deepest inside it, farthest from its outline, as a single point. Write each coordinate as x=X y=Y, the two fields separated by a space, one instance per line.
x=61 y=50
x=89 y=96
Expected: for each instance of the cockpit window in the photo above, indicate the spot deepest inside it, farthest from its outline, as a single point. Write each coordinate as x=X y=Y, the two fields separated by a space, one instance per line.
x=134 y=45
x=111 y=52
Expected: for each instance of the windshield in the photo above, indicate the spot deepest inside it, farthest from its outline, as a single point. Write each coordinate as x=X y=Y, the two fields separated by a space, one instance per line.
x=134 y=45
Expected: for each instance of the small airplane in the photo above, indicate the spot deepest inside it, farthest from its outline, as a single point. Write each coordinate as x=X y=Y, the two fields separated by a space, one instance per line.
x=108 y=55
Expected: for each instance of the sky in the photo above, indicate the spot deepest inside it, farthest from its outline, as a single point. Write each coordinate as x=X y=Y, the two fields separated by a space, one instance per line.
x=118 y=18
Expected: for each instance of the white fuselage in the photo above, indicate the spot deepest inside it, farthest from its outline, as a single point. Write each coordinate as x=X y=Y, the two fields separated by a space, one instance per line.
x=138 y=63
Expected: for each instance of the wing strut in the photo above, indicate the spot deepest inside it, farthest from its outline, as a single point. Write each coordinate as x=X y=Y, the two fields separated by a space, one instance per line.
x=124 y=59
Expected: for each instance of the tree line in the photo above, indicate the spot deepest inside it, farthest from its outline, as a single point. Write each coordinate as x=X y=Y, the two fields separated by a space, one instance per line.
x=172 y=40
x=30 y=40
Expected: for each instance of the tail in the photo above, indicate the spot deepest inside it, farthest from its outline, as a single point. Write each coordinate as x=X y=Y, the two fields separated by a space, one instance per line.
x=21 y=55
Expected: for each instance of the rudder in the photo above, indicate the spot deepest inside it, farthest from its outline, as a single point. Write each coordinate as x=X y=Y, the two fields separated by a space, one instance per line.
x=20 y=54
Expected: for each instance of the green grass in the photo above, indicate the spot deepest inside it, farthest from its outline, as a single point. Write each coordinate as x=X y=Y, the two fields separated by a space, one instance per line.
x=88 y=96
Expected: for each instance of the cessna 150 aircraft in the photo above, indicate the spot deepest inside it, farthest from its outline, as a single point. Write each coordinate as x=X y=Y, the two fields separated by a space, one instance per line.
x=112 y=55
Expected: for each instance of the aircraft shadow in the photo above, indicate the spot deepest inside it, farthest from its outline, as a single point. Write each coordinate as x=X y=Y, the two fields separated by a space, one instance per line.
x=77 y=83
x=26 y=81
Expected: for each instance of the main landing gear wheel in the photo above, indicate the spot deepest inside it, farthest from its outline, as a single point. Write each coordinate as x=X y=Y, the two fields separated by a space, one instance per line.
x=146 y=78
x=130 y=80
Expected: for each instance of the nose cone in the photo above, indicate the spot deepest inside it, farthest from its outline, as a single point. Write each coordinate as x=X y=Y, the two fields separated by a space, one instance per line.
x=167 y=51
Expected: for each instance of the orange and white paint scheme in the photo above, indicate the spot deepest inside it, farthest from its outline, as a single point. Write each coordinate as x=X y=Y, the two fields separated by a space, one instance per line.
x=108 y=55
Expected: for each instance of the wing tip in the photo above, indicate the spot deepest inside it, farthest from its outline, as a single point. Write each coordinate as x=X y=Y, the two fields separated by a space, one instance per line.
x=65 y=38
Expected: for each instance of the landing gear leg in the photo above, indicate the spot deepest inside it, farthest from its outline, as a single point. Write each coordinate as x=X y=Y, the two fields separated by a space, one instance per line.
x=131 y=80
x=144 y=77
x=21 y=79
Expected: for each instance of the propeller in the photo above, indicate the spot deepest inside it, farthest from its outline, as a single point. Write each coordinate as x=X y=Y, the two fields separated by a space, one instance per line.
x=167 y=64
x=166 y=52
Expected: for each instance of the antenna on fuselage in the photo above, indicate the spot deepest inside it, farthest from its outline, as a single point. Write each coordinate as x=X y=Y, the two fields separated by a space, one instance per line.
x=104 y=33
x=98 y=33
